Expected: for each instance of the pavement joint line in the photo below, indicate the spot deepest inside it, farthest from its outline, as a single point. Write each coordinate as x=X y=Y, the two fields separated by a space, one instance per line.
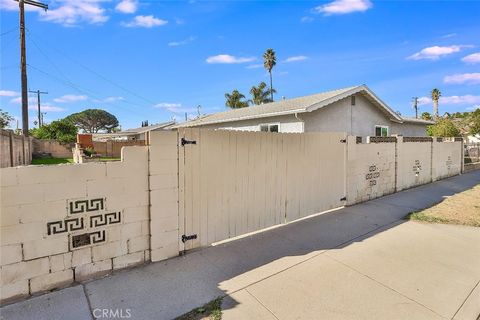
x=273 y=314
x=468 y=296
x=312 y=257
x=385 y=286
x=88 y=301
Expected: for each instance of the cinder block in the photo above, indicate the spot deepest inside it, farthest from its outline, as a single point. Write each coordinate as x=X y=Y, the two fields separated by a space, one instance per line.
x=65 y=190
x=122 y=201
x=163 y=166
x=160 y=254
x=135 y=214
x=135 y=155
x=22 y=233
x=163 y=181
x=131 y=230
x=8 y=177
x=61 y=262
x=81 y=257
x=147 y=255
x=41 y=174
x=14 y=291
x=163 y=210
x=15 y=195
x=45 y=247
x=123 y=170
x=87 y=171
x=159 y=197
x=105 y=187
x=163 y=239
x=163 y=138
x=24 y=270
x=164 y=224
x=109 y=250
x=128 y=260
x=33 y=212
x=93 y=270
x=11 y=254
x=138 y=183
x=163 y=152
x=138 y=244
x=146 y=228
x=51 y=281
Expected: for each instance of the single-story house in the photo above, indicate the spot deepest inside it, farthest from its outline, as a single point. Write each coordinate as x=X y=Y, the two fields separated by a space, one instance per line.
x=355 y=110
x=131 y=134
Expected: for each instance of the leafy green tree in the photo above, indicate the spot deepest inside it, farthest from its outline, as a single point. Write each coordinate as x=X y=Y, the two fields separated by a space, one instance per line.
x=426 y=116
x=435 y=97
x=94 y=120
x=269 y=61
x=260 y=94
x=63 y=131
x=235 y=100
x=5 y=119
x=474 y=122
x=443 y=128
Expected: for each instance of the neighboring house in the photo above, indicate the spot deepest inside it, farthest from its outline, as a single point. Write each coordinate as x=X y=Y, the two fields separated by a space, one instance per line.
x=131 y=134
x=355 y=110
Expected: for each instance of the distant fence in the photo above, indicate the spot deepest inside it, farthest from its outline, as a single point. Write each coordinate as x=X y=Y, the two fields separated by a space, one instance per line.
x=52 y=147
x=472 y=152
x=15 y=150
x=113 y=149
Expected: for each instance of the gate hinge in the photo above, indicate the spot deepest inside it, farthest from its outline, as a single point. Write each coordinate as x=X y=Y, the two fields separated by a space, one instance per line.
x=343 y=141
x=185 y=238
x=185 y=141
x=343 y=199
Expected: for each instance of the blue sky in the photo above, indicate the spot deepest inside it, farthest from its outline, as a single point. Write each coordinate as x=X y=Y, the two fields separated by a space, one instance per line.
x=153 y=60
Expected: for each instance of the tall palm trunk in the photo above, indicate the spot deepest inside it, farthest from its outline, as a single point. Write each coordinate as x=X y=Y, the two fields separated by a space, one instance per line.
x=435 y=108
x=271 y=85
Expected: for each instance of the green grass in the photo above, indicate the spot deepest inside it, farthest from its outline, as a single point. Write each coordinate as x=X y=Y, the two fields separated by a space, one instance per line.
x=211 y=311
x=50 y=161
x=421 y=216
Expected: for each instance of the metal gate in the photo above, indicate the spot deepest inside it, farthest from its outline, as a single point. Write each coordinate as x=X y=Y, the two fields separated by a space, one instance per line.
x=232 y=183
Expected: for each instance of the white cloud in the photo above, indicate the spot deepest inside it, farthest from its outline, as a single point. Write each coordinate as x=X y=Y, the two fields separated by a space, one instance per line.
x=344 y=7
x=435 y=52
x=70 y=98
x=74 y=12
x=127 y=6
x=296 y=58
x=473 y=108
x=465 y=99
x=174 y=107
x=8 y=93
x=111 y=99
x=228 y=59
x=181 y=43
x=46 y=108
x=472 y=58
x=306 y=19
x=254 y=66
x=463 y=78
x=145 y=22
x=449 y=35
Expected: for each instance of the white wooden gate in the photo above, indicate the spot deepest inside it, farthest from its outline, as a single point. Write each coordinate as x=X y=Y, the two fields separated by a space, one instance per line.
x=232 y=183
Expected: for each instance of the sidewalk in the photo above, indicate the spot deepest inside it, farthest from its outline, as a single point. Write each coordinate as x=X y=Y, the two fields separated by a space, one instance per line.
x=359 y=262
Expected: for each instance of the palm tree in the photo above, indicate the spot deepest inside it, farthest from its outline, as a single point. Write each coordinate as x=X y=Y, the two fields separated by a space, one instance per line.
x=234 y=100
x=260 y=95
x=435 y=97
x=269 y=61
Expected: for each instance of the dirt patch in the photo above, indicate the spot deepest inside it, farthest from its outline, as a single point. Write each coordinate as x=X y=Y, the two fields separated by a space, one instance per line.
x=462 y=208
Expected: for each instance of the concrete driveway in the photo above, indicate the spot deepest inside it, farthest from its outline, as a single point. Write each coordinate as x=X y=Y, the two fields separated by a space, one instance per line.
x=360 y=262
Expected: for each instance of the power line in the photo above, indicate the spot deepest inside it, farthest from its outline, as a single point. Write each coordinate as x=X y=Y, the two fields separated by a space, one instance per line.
x=7 y=32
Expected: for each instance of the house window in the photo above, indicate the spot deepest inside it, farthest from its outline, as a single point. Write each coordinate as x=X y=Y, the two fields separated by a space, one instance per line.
x=381 y=131
x=353 y=100
x=269 y=127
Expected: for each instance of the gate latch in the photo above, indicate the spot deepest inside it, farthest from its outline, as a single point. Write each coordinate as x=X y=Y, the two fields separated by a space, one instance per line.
x=343 y=141
x=185 y=238
x=185 y=141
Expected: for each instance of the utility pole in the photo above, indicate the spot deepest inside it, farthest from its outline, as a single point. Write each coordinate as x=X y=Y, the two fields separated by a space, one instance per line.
x=415 y=106
x=23 y=59
x=38 y=92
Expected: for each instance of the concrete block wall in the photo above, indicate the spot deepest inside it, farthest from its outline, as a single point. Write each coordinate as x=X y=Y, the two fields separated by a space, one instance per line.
x=414 y=163
x=37 y=255
x=15 y=150
x=370 y=170
x=163 y=183
x=447 y=159
x=55 y=148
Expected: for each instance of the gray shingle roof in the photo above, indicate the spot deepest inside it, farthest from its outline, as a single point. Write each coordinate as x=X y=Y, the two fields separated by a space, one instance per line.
x=290 y=106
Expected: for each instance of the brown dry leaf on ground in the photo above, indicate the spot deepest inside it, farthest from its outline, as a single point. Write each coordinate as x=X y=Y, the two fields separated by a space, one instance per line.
x=462 y=208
